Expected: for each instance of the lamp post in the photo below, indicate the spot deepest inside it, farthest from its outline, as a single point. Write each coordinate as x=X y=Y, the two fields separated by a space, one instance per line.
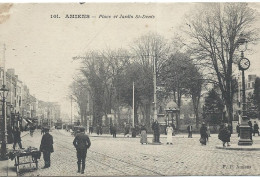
x=155 y=89
x=4 y=125
x=244 y=63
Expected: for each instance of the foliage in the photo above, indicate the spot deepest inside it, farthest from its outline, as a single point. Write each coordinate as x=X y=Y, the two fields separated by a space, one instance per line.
x=215 y=29
x=213 y=108
x=181 y=77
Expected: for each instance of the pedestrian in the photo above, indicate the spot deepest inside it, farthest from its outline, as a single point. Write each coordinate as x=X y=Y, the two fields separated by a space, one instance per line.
x=100 y=129
x=47 y=147
x=230 y=128
x=127 y=128
x=137 y=130
x=90 y=129
x=42 y=131
x=208 y=130
x=169 y=131
x=173 y=127
x=81 y=143
x=256 y=128
x=224 y=135
x=203 y=134
x=156 y=131
x=143 y=137
x=251 y=128
x=114 y=130
x=238 y=130
x=31 y=130
x=189 y=128
x=17 y=138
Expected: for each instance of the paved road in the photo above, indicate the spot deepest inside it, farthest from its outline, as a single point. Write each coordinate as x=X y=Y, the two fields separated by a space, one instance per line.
x=127 y=157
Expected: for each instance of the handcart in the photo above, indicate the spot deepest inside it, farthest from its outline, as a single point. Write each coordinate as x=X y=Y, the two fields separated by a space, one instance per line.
x=29 y=156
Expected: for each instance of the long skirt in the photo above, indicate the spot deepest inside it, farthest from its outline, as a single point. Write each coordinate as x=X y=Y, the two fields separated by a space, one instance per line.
x=169 y=137
x=143 y=138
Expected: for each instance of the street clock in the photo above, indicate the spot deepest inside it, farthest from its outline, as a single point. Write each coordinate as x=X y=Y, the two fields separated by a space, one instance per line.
x=244 y=64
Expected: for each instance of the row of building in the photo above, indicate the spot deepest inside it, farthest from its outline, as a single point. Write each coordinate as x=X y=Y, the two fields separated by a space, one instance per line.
x=24 y=109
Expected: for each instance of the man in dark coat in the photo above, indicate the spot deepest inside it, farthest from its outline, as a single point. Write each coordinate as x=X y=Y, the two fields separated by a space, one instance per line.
x=256 y=128
x=238 y=130
x=114 y=130
x=203 y=134
x=156 y=131
x=189 y=128
x=251 y=128
x=47 y=147
x=81 y=143
x=17 y=137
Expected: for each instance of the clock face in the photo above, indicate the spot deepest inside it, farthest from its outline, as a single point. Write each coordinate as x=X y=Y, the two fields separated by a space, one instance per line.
x=244 y=63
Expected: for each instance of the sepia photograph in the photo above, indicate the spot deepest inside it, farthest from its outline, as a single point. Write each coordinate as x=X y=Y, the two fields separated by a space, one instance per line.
x=130 y=88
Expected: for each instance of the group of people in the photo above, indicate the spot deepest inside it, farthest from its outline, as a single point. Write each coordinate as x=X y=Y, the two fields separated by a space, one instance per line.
x=224 y=135
x=81 y=142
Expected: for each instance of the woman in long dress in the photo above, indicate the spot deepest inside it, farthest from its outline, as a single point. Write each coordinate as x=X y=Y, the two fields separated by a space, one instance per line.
x=203 y=134
x=224 y=135
x=143 y=137
x=169 y=131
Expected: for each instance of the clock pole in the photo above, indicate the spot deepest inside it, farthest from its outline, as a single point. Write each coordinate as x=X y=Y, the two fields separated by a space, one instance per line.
x=245 y=129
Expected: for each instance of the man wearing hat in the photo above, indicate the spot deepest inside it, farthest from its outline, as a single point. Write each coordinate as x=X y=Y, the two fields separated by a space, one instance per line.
x=47 y=147
x=81 y=143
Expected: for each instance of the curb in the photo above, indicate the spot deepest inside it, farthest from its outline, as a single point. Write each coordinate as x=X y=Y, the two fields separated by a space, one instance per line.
x=240 y=148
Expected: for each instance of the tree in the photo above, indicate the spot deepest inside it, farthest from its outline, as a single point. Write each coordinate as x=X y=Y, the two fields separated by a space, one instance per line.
x=215 y=29
x=194 y=86
x=149 y=49
x=96 y=72
x=181 y=77
x=79 y=89
x=118 y=61
x=213 y=108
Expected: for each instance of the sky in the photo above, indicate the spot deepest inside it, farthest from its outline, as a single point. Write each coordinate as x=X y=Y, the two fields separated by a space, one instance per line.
x=41 y=48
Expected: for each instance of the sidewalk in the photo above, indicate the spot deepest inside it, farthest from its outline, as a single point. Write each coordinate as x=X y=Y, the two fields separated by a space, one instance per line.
x=121 y=135
x=7 y=166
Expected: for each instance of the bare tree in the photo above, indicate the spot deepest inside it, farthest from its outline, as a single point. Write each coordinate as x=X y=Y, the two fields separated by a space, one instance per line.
x=149 y=49
x=79 y=89
x=215 y=29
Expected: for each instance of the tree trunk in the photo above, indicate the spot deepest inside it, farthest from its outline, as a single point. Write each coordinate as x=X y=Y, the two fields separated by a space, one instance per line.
x=135 y=115
x=147 y=115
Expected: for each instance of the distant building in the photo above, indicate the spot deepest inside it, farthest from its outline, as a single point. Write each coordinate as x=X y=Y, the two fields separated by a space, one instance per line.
x=250 y=84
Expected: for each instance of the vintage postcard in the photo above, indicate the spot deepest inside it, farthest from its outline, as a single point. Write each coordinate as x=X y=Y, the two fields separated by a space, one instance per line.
x=130 y=89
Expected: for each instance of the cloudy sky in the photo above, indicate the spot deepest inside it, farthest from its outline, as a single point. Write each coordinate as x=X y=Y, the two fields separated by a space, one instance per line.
x=41 y=48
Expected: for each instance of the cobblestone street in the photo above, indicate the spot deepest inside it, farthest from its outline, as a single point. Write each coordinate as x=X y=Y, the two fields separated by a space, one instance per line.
x=109 y=156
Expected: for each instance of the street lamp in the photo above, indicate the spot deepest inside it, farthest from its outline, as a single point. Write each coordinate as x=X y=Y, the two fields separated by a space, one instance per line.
x=4 y=125
x=244 y=63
